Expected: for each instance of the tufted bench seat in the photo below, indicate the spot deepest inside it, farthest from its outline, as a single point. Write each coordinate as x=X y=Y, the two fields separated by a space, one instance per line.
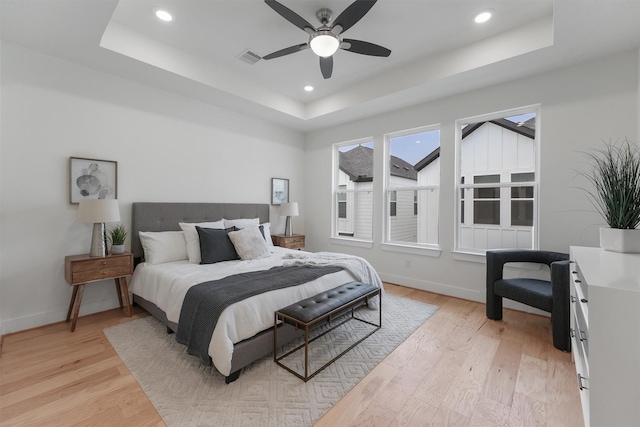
x=322 y=307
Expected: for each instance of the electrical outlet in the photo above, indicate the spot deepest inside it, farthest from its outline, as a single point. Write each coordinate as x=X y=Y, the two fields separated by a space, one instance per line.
x=407 y=264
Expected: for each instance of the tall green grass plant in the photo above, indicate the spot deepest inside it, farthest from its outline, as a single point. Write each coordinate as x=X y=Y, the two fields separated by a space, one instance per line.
x=615 y=176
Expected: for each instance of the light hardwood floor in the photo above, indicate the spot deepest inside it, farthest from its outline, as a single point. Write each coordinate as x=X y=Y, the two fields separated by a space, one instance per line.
x=457 y=369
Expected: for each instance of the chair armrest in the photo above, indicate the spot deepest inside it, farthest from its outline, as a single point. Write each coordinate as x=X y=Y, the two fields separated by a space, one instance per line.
x=560 y=281
x=497 y=258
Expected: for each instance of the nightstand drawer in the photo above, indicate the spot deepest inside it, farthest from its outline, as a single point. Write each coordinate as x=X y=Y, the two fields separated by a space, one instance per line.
x=295 y=242
x=83 y=268
x=291 y=242
x=101 y=274
x=100 y=264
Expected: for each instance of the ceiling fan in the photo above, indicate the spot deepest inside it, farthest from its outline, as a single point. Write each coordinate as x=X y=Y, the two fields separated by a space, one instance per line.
x=325 y=40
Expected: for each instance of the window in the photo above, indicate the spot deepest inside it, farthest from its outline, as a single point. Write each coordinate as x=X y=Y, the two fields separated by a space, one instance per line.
x=497 y=176
x=486 y=200
x=342 y=201
x=393 y=204
x=412 y=186
x=353 y=190
x=462 y=201
x=522 y=200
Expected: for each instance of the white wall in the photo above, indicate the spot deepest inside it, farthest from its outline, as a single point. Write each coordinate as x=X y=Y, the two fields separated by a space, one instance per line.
x=580 y=106
x=168 y=148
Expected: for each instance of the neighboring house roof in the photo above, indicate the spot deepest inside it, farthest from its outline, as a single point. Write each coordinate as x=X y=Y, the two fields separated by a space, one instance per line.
x=427 y=160
x=526 y=129
x=358 y=164
x=531 y=123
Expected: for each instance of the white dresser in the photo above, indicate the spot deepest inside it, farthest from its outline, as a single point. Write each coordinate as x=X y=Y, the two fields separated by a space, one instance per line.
x=605 y=324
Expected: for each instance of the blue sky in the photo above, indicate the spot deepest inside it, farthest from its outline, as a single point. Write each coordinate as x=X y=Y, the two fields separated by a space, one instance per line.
x=415 y=147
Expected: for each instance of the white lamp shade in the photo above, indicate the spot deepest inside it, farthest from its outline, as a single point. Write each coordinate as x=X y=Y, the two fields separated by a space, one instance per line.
x=98 y=210
x=289 y=209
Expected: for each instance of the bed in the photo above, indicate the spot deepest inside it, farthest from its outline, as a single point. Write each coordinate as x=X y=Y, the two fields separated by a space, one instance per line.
x=244 y=330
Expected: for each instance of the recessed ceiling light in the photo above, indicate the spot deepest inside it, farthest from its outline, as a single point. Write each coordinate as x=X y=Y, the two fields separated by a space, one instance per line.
x=483 y=16
x=163 y=15
x=308 y=88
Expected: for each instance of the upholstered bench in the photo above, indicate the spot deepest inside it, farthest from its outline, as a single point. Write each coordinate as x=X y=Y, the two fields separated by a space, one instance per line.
x=323 y=307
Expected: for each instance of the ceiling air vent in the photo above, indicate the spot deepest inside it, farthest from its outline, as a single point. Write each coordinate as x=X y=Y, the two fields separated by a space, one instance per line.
x=249 y=57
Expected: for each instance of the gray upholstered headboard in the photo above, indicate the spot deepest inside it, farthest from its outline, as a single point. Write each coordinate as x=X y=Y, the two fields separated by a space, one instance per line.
x=166 y=216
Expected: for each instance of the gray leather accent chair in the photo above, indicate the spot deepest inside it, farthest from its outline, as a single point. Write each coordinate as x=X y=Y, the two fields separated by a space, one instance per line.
x=548 y=295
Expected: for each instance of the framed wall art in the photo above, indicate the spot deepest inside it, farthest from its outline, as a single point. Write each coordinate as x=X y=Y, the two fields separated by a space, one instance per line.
x=279 y=191
x=92 y=179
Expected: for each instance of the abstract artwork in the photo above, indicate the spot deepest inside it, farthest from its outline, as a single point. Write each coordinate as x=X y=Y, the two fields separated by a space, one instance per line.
x=279 y=191
x=92 y=179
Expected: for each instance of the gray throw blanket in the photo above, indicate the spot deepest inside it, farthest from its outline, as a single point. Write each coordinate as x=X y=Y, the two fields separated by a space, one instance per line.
x=204 y=302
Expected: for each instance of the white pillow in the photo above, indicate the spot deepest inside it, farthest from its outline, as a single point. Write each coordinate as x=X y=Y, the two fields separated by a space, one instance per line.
x=266 y=228
x=241 y=223
x=249 y=243
x=163 y=246
x=192 y=239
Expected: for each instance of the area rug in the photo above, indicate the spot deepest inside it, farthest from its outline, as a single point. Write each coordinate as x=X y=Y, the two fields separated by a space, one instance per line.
x=186 y=393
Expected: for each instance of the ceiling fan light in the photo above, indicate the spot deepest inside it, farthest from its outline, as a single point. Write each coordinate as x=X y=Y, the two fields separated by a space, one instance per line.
x=324 y=44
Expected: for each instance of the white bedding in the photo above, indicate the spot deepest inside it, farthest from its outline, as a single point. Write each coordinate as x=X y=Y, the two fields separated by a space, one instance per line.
x=166 y=285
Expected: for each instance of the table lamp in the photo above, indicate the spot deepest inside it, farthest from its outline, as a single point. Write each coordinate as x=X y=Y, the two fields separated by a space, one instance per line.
x=289 y=210
x=97 y=212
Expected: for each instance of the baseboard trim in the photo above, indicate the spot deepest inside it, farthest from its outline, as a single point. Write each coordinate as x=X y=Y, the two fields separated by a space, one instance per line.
x=18 y=324
x=438 y=288
x=453 y=291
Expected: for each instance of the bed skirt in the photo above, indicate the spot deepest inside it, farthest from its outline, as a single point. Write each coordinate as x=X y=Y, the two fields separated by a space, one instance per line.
x=245 y=352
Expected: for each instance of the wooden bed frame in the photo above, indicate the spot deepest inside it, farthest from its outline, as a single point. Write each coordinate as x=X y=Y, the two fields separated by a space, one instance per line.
x=165 y=217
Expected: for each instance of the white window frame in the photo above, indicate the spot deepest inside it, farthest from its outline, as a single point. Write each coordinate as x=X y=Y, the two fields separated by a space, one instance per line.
x=351 y=193
x=464 y=253
x=400 y=246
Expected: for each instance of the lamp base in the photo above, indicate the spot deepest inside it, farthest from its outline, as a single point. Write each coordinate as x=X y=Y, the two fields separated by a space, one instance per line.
x=98 y=241
x=288 y=227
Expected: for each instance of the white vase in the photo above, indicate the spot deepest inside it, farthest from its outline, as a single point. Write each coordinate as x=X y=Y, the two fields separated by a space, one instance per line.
x=620 y=240
x=117 y=249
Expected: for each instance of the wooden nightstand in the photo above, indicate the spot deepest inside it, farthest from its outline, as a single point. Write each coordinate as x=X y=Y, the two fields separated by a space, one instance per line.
x=291 y=242
x=82 y=269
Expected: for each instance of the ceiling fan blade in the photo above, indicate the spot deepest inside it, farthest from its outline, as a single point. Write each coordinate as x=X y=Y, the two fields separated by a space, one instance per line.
x=286 y=51
x=290 y=15
x=364 y=48
x=352 y=14
x=326 y=66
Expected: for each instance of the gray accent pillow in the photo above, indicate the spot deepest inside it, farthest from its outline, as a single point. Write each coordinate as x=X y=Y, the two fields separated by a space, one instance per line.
x=215 y=245
x=249 y=243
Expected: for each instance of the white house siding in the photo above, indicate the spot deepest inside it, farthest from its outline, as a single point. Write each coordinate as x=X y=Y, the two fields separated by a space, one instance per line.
x=428 y=203
x=345 y=225
x=403 y=227
x=359 y=219
x=492 y=149
x=363 y=206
